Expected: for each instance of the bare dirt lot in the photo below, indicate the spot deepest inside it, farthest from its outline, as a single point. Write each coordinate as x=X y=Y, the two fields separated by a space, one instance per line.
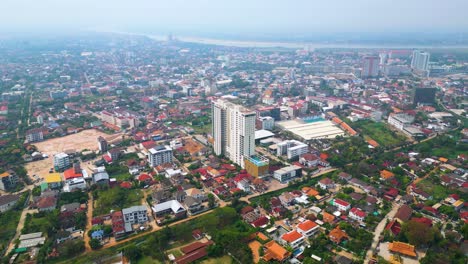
x=86 y=139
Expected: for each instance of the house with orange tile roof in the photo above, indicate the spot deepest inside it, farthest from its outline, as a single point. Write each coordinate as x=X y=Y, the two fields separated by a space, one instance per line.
x=292 y=238
x=386 y=175
x=275 y=252
x=402 y=248
x=307 y=228
x=311 y=192
x=337 y=235
x=328 y=218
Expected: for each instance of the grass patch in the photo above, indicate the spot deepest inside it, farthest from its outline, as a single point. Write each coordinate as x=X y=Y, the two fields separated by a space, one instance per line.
x=8 y=221
x=148 y=260
x=379 y=132
x=115 y=199
x=175 y=252
x=221 y=260
x=122 y=176
x=438 y=192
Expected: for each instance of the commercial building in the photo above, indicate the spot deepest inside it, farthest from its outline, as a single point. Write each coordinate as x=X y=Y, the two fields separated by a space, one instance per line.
x=233 y=131
x=61 y=161
x=135 y=214
x=424 y=95
x=311 y=130
x=257 y=166
x=159 y=155
x=292 y=148
x=370 y=66
x=287 y=173
x=399 y=121
x=8 y=180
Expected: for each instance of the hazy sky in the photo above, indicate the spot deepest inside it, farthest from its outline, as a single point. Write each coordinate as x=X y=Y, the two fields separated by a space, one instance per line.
x=250 y=16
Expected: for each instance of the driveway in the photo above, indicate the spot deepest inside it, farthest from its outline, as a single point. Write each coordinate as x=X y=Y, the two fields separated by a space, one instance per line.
x=378 y=231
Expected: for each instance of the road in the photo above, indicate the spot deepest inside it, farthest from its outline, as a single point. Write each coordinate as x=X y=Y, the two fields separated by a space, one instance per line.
x=89 y=222
x=20 y=226
x=378 y=231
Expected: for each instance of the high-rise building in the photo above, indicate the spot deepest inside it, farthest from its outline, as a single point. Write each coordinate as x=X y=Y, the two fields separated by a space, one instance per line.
x=102 y=144
x=370 y=66
x=159 y=155
x=420 y=61
x=233 y=131
x=424 y=95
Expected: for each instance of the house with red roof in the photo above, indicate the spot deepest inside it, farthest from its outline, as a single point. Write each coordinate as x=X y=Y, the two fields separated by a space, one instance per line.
x=126 y=185
x=422 y=220
x=341 y=204
x=118 y=225
x=146 y=178
x=357 y=214
x=394 y=227
x=292 y=238
x=307 y=228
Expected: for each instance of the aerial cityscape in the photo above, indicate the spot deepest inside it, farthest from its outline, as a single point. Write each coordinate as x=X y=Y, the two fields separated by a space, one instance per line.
x=141 y=139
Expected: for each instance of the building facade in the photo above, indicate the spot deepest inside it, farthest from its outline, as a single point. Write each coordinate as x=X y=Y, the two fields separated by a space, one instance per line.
x=159 y=155
x=233 y=131
x=61 y=161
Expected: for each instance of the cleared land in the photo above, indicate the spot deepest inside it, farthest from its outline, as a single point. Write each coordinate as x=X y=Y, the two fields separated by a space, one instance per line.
x=86 y=139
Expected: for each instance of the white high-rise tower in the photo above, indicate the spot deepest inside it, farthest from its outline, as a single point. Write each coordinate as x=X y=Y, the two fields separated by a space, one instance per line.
x=233 y=131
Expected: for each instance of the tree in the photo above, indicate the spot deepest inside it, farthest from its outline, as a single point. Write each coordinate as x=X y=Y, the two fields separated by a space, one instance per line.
x=95 y=243
x=211 y=200
x=215 y=251
x=418 y=234
x=132 y=252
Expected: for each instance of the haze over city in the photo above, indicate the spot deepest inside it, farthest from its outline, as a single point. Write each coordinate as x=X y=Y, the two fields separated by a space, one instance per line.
x=336 y=20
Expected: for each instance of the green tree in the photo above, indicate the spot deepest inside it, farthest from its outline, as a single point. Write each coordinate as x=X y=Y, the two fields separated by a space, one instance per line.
x=95 y=243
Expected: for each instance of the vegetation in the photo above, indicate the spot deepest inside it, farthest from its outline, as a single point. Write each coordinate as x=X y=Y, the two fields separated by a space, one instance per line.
x=380 y=133
x=115 y=199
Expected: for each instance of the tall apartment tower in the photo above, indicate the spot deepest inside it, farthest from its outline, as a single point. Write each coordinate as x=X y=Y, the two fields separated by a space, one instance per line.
x=102 y=144
x=233 y=131
x=420 y=61
x=370 y=66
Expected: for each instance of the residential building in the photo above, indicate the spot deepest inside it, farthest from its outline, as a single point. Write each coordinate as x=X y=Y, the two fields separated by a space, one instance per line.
x=8 y=201
x=341 y=204
x=159 y=155
x=287 y=173
x=291 y=148
x=337 y=235
x=34 y=135
x=8 y=180
x=420 y=61
x=100 y=176
x=169 y=207
x=135 y=214
x=357 y=214
x=292 y=238
x=275 y=252
x=402 y=248
x=307 y=228
x=326 y=183
x=233 y=131
x=61 y=161
x=370 y=67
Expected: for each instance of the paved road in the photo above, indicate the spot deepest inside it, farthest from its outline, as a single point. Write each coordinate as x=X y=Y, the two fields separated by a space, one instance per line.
x=378 y=231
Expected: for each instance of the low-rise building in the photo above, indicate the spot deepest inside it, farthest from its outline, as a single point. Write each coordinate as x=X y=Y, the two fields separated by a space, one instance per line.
x=291 y=148
x=287 y=173
x=8 y=201
x=292 y=238
x=135 y=214
x=357 y=214
x=8 y=180
x=307 y=228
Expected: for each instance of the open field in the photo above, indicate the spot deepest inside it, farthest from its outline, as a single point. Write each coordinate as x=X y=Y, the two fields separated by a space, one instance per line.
x=379 y=132
x=86 y=139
